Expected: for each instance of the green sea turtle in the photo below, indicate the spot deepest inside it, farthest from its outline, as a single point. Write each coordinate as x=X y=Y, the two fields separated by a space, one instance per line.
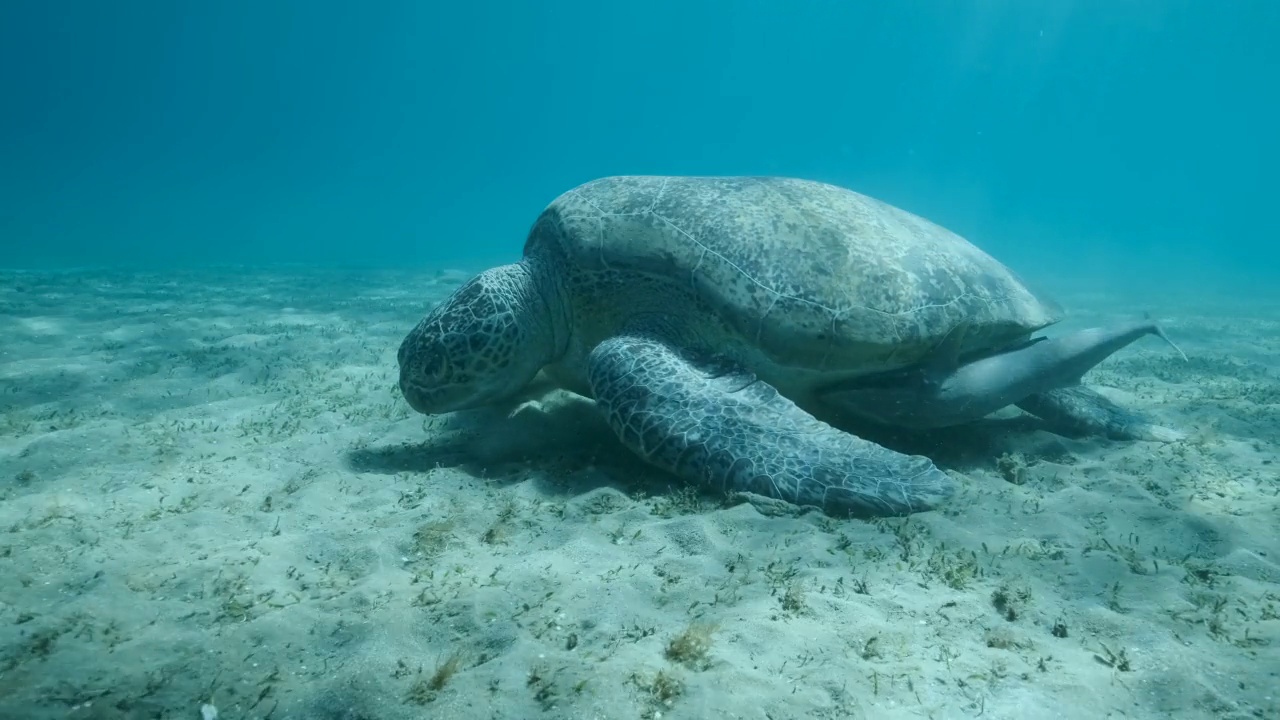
x=711 y=319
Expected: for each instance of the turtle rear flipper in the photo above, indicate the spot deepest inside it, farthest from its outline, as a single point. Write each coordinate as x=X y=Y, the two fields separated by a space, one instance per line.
x=734 y=432
x=1079 y=410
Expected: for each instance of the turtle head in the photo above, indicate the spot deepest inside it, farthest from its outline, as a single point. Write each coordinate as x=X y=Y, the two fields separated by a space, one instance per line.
x=482 y=345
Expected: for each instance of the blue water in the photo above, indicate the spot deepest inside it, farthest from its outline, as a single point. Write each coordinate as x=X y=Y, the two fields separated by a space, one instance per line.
x=1061 y=136
x=213 y=490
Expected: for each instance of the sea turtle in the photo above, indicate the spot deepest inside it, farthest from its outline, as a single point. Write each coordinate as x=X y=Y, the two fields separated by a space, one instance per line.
x=711 y=319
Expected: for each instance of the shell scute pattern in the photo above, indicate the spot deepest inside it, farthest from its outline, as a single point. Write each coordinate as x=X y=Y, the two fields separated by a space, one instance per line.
x=813 y=274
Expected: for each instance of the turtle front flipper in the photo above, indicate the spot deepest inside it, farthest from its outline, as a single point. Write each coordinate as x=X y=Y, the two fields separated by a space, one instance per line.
x=731 y=431
x=1079 y=410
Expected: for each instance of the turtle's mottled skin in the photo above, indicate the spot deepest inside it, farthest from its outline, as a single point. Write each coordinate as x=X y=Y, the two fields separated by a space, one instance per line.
x=709 y=317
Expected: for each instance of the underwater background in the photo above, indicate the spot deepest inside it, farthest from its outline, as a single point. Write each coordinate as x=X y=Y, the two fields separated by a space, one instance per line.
x=220 y=220
x=1081 y=135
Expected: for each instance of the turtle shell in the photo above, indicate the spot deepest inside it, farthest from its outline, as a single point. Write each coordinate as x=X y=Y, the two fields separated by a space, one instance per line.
x=809 y=273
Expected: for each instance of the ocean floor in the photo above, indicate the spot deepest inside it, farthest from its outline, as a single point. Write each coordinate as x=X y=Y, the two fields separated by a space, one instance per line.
x=213 y=500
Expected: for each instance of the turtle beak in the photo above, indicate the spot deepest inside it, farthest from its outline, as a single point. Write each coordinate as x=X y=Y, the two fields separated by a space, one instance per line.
x=413 y=397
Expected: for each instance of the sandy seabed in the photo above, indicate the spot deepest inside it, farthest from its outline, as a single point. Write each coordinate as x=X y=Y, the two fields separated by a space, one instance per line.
x=213 y=501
